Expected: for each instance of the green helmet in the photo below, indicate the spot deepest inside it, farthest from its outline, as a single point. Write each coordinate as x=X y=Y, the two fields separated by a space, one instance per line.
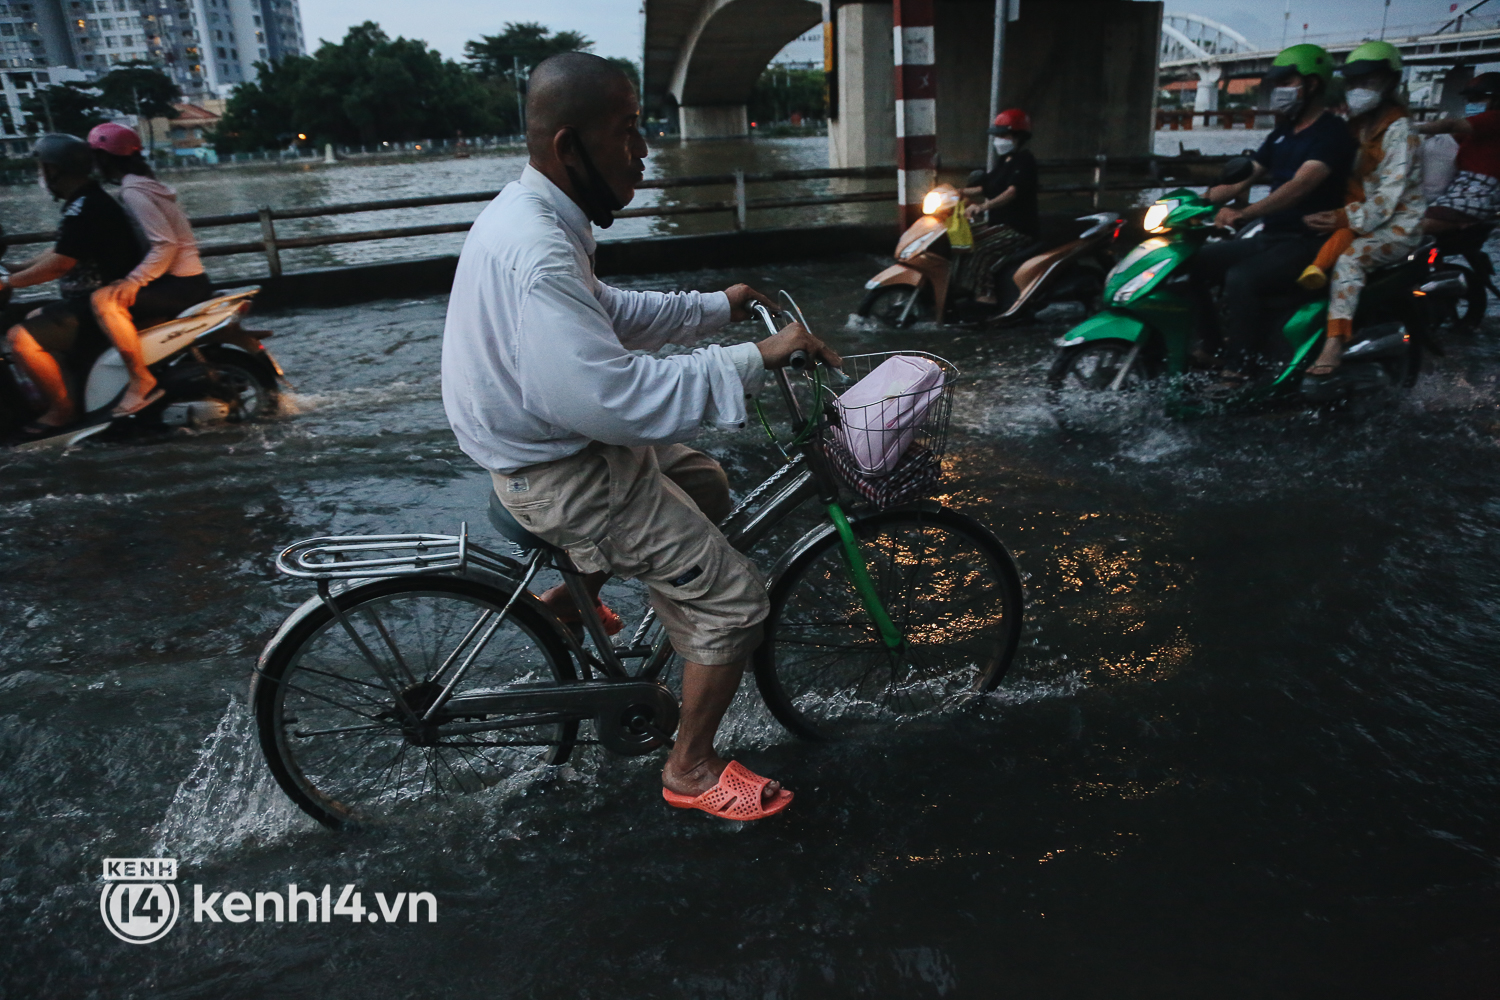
x=1305 y=59
x=1372 y=57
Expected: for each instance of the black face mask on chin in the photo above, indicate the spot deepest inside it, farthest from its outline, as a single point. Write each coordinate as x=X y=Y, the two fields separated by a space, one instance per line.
x=599 y=201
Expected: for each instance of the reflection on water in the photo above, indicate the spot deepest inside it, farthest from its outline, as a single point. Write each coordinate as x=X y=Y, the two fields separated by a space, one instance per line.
x=1248 y=747
x=25 y=208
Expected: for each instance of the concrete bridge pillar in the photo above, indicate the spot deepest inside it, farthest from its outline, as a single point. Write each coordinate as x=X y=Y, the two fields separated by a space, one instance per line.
x=1207 y=98
x=863 y=131
x=713 y=121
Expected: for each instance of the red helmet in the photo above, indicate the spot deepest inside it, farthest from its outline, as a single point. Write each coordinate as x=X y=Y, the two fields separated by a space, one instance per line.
x=1011 y=120
x=116 y=139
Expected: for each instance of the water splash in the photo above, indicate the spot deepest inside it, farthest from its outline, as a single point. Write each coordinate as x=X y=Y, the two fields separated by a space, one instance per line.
x=229 y=800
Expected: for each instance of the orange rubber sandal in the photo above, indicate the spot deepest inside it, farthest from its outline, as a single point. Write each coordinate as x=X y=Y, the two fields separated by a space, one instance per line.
x=611 y=621
x=737 y=796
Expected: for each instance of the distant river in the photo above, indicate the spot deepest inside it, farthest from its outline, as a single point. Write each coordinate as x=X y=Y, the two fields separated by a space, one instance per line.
x=26 y=208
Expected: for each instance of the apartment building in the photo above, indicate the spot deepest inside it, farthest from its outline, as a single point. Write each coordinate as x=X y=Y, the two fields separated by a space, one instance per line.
x=207 y=46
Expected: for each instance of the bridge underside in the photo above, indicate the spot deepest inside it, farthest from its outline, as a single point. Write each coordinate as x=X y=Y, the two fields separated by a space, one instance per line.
x=703 y=57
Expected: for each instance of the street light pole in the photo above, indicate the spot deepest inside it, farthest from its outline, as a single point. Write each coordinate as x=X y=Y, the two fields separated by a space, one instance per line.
x=1384 y=16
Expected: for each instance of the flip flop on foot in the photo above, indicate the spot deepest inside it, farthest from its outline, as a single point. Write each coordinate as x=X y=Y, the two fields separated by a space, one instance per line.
x=34 y=431
x=737 y=796
x=1322 y=369
x=124 y=409
x=611 y=621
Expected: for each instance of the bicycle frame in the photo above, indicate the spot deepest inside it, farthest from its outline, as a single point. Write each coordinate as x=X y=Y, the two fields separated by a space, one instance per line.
x=617 y=693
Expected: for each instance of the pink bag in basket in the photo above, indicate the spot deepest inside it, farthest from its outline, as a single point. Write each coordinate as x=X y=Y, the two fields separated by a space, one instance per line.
x=881 y=413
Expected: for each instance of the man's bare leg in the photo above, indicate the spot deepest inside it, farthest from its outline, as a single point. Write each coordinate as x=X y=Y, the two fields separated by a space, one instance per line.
x=693 y=767
x=115 y=320
x=44 y=370
x=561 y=602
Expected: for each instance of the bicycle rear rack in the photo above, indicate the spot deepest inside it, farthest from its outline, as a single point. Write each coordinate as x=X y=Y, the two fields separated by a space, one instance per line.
x=335 y=557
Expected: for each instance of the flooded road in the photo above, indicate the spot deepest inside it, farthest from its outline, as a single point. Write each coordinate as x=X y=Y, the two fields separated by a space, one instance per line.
x=1249 y=748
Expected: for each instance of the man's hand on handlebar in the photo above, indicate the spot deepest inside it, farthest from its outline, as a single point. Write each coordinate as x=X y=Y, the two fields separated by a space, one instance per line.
x=1230 y=218
x=740 y=297
x=776 y=352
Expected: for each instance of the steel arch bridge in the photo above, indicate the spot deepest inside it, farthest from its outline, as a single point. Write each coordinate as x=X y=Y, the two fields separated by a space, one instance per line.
x=1201 y=41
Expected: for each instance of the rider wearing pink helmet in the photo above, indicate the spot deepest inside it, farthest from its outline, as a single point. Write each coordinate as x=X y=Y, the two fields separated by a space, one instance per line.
x=168 y=279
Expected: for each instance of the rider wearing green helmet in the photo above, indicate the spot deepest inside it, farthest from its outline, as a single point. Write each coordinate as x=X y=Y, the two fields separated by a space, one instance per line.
x=1380 y=222
x=1306 y=161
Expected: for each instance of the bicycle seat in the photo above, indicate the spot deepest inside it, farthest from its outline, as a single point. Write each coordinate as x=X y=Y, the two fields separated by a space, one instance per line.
x=511 y=528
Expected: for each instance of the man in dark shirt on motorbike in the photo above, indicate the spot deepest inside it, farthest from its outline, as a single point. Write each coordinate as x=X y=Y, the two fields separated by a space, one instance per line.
x=96 y=245
x=1306 y=160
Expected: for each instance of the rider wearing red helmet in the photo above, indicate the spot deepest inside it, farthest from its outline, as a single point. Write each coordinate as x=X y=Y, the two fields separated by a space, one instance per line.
x=1006 y=199
x=166 y=281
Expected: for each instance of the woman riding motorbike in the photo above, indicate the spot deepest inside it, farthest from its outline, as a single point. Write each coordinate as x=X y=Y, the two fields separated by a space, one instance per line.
x=170 y=277
x=1006 y=198
x=1381 y=220
x=1474 y=196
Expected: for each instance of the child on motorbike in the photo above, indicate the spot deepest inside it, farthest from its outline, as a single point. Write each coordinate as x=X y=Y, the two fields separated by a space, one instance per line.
x=170 y=277
x=1007 y=199
x=1381 y=223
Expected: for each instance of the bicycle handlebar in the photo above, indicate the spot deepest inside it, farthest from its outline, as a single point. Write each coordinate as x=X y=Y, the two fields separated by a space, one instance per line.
x=797 y=360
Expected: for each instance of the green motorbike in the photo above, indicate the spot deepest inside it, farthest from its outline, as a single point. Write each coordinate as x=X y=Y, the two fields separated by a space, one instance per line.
x=1146 y=330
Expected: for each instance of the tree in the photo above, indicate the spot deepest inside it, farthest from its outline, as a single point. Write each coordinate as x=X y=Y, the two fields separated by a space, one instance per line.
x=63 y=107
x=528 y=42
x=138 y=88
x=363 y=90
x=780 y=91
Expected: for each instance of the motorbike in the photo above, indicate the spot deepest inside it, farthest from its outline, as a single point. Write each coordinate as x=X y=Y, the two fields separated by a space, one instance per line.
x=210 y=367
x=920 y=286
x=1462 y=250
x=1146 y=329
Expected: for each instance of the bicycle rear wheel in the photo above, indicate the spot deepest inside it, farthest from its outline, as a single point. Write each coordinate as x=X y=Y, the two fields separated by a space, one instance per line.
x=948 y=584
x=332 y=732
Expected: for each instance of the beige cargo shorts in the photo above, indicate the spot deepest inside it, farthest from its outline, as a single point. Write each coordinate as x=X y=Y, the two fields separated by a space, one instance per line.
x=648 y=514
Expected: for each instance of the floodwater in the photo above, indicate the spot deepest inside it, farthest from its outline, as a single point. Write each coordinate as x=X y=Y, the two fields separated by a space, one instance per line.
x=1249 y=747
x=26 y=208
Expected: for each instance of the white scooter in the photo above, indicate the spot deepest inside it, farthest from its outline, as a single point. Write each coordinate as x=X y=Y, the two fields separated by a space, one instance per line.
x=210 y=368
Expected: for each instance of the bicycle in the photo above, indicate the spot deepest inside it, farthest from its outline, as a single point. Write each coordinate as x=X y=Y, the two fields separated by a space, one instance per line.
x=425 y=667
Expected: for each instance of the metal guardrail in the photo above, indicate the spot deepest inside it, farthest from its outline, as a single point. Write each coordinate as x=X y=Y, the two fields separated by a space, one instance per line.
x=271 y=245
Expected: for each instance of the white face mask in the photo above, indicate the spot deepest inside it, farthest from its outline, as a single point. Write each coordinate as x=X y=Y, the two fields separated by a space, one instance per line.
x=1475 y=108
x=1286 y=100
x=1361 y=100
x=1004 y=145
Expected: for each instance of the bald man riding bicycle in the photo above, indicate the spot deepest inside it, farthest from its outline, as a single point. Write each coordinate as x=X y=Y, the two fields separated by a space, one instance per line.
x=582 y=436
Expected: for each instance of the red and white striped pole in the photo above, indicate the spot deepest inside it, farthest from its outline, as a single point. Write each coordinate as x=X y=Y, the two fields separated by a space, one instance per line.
x=916 y=106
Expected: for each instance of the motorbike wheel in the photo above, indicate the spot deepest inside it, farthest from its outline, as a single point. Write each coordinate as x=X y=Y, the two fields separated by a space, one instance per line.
x=887 y=304
x=1475 y=302
x=247 y=394
x=1079 y=384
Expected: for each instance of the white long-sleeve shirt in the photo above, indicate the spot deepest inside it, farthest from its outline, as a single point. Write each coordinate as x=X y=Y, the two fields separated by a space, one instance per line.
x=537 y=351
x=172 y=248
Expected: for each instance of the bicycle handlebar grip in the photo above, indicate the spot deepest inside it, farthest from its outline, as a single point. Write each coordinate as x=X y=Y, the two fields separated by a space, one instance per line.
x=797 y=360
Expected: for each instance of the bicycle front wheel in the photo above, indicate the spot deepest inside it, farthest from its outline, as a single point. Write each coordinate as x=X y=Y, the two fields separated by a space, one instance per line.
x=948 y=585
x=342 y=746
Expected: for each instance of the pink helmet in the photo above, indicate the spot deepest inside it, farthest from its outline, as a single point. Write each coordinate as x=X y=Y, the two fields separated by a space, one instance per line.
x=115 y=139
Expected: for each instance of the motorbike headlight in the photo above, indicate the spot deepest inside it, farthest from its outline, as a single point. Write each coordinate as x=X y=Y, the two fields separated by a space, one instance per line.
x=1156 y=215
x=1128 y=290
x=932 y=202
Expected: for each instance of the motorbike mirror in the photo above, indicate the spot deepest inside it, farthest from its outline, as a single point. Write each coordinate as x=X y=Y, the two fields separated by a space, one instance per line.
x=1237 y=170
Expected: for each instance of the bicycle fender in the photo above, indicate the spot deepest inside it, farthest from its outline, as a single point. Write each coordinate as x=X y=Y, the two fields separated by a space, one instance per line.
x=821 y=532
x=352 y=589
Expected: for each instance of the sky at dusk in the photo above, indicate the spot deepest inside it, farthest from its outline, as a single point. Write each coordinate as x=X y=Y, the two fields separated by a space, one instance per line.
x=615 y=25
